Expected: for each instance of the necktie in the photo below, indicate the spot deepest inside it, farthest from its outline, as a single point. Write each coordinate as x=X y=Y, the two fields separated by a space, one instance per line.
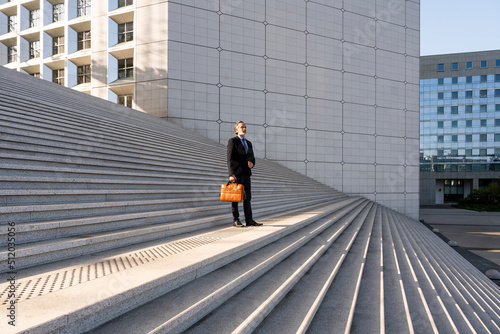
x=245 y=144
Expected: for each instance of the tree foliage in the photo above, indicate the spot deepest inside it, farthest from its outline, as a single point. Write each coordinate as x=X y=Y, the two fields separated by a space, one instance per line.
x=488 y=197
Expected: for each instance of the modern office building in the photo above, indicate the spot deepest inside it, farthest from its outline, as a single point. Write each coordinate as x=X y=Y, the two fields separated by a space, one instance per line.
x=327 y=88
x=459 y=124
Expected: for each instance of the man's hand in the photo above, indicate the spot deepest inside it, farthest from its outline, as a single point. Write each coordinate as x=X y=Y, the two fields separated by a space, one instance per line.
x=250 y=164
x=232 y=178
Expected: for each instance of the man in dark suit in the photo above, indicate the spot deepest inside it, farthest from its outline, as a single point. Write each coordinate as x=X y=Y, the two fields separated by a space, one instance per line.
x=240 y=161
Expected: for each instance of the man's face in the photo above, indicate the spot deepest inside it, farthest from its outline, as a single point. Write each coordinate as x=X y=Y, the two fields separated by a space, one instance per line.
x=241 y=129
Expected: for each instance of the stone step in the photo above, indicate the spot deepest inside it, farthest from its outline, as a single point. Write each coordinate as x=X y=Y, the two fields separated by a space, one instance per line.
x=40 y=222
x=134 y=282
x=342 y=268
x=397 y=316
x=418 y=305
x=118 y=225
x=66 y=239
x=221 y=299
x=86 y=106
x=448 y=317
x=107 y=161
x=124 y=140
x=285 y=300
x=474 y=294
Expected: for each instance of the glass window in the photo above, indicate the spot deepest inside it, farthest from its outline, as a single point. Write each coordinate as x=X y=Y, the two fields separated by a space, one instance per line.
x=497 y=107
x=468 y=65
x=58 y=12
x=57 y=45
x=12 y=25
x=484 y=78
x=484 y=122
x=440 y=81
x=34 y=18
x=126 y=68
x=123 y=3
x=440 y=110
x=34 y=49
x=468 y=94
x=83 y=74
x=454 y=138
x=468 y=123
x=454 y=124
x=83 y=7
x=440 y=124
x=497 y=77
x=454 y=66
x=440 y=67
x=468 y=138
x=454 y=153
x=440 y=96
x=84 y=41
x=125 y=100
x=484 y=63
x=125 y=32
x=483 y=152
x=497 y=136
x=440 y=139
x=468 y=79
x=497 y=122
x=483 y=93
x=497 y=92
x=58 y=77
x=454 y=109
x=440 y=153
x=454 y=95
x=12 y=54
x=468 y=109
x=483 y=137
x=483 y=108
x=454 y=80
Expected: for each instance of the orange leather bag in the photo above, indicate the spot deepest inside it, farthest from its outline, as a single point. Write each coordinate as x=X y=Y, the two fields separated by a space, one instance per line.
x=232 y=192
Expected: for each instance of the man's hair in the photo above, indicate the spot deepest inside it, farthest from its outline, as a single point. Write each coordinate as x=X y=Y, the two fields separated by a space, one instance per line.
x=236 y=125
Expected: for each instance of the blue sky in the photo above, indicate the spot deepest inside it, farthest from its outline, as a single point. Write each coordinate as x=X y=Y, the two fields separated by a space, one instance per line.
x=453 y=26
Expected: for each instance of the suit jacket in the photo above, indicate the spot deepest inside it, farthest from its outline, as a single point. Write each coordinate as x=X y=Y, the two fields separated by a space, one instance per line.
x=237 y=158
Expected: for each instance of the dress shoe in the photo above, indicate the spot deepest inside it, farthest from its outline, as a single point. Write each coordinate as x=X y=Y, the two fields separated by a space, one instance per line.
x=237 y=223
x=253 y=223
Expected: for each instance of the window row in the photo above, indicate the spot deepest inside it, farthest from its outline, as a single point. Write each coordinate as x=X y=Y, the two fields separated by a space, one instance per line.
x=57 y=14
x=482 y=152
x=460 y=167
x=83 y=42
x=84 y=72
x=468 y=94
x=468 y=79
x=483 y=137
x=468 y=65
x=468 y=123
x=468 y=109
x=125 y=34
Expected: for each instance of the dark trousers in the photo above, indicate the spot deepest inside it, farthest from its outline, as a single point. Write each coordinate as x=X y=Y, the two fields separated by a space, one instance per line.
x=247 y=207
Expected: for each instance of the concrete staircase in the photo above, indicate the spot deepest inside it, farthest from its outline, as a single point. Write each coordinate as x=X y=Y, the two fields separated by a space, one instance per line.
x=118 y=228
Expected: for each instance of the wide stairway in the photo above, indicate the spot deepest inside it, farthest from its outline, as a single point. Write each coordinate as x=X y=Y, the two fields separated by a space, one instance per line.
x=111 y=223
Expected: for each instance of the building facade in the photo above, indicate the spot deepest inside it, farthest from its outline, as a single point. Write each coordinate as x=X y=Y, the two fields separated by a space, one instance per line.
x=459 y=124
x=327 y=88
